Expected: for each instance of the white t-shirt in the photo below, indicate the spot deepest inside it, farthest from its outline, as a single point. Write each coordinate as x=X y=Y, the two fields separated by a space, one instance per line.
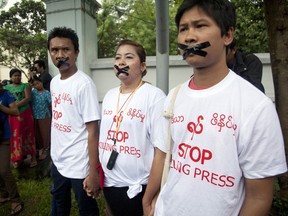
x=139 y=132
x=74 y=103
x=220 y=135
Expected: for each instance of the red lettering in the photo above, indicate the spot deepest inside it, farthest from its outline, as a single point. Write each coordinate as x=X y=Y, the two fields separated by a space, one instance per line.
x=120 y=136
x=69 y=129
x=184 y=168
x=197 y=171
x=130 y=151
x=111 y=134
x=205 y=175
x=126 y=136
x=126 y=150
x=56 y=114
x=183 y=148
x=138 y=153
x=230 y=179
x=61 y=127
x=122 y=149
x=206 y=155
x=214 y=178
x=222 y=179
x=176 y=165
x=56 y=125
x=195 y=153
x=133 y=150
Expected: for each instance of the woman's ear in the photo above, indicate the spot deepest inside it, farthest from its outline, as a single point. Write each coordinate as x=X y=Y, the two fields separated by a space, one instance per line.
x=143 y=66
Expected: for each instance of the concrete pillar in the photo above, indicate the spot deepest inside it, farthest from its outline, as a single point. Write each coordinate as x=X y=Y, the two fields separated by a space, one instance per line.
x=80 y=15
x=162 y=41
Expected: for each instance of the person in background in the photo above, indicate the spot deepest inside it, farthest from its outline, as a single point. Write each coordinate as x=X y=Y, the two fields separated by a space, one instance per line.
x=130 y=132
x=5 y=82
x=8 y=186
x=246 y=65
x=22 y=126
x=40 y=68
x=227 y=144
x=74 y=128
x=41 y=108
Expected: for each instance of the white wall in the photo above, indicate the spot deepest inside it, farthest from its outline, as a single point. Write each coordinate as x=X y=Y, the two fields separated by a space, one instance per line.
x=103 y=75
x=4 y=72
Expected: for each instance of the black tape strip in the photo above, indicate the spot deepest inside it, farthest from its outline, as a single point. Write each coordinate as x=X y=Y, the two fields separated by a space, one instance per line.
x=196 y=49
x=122 y=70
x=62 y=61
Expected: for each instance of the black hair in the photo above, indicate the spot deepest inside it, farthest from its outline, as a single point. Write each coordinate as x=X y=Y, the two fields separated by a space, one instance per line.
x=14 y=70
x=221 y=11
x=5 y=82
x=64 y=32
x=35 y=78
x=40 y=63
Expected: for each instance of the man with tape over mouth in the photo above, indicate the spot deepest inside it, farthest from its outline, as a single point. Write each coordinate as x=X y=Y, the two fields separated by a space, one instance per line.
x=228 y=147
x=74 y=129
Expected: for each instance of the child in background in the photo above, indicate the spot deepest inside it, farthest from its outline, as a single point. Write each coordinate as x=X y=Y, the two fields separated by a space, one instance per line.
x=41 y=108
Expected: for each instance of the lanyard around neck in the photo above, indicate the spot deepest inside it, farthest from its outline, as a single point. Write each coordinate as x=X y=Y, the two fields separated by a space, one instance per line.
x=119 y=116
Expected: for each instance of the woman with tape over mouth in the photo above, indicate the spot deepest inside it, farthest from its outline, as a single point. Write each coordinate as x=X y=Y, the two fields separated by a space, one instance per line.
x=130 y=133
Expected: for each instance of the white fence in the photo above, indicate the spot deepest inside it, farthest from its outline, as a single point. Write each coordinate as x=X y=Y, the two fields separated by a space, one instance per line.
x=103 y=75
x=179 y=71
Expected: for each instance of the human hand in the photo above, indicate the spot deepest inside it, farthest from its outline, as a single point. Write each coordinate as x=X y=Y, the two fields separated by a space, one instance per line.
x=30 y=73
x=91 y=185
x=146 y=209
x=149 y=205
x=153 y=204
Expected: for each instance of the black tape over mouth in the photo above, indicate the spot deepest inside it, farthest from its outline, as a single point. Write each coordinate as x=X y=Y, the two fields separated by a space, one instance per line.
x=62 y=61
x=122 y=70
x=196 y=49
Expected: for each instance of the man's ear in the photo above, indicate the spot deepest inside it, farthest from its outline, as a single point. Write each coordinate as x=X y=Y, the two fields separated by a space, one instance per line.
x=77 y=53
x=229 y=36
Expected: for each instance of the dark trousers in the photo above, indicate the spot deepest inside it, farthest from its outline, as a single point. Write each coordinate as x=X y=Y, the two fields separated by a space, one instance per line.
x=61 y=192
x=120 y=204
x=8 y=186
x=54 y=206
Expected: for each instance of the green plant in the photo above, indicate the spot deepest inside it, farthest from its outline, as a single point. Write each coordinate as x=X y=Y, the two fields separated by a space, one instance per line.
x=279 y=205
x=37 y=199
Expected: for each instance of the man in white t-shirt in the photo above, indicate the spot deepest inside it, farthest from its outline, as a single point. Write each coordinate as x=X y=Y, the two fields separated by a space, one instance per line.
x=74 y=128
x=227 y=144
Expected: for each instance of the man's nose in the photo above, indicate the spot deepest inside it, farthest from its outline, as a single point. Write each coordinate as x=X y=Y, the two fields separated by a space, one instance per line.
x=60 y=54
x=190 y=37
